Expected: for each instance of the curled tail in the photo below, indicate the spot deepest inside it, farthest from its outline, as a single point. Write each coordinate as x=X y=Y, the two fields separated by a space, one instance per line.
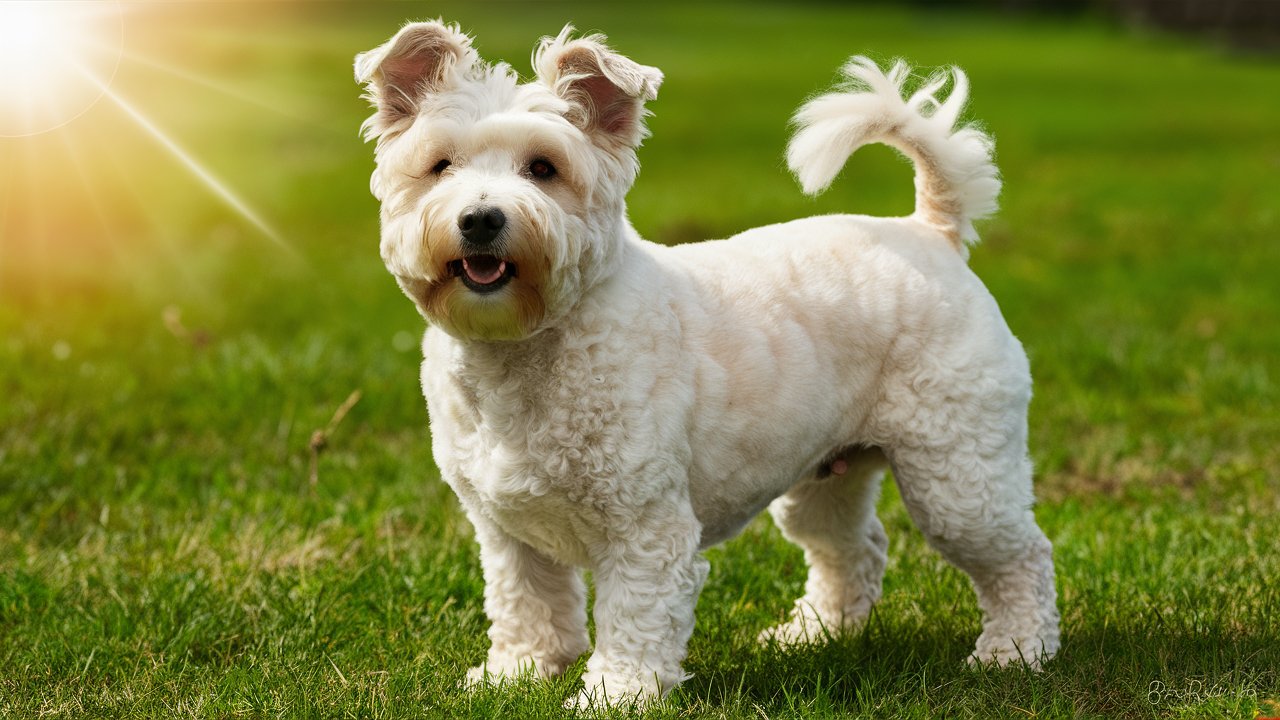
x=956 y=180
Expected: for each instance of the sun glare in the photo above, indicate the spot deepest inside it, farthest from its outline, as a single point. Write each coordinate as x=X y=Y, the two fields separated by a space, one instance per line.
x=58 y=60
x=55 y=60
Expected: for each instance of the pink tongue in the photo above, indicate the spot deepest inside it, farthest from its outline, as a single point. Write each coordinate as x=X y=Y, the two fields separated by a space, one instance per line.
x=487 y=273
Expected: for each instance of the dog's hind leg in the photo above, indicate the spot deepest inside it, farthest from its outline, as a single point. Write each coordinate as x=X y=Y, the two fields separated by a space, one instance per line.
x=970 y=495
x=832 y=518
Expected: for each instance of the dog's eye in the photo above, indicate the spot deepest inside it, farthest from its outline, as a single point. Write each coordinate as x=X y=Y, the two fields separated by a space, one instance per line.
x=441 y=167
x=542 y=169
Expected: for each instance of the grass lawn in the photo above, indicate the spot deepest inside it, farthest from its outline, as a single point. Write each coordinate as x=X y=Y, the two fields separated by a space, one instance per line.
x=170 y=546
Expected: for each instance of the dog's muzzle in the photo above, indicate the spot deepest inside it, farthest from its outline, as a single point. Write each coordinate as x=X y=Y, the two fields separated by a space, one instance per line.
x=480 y=269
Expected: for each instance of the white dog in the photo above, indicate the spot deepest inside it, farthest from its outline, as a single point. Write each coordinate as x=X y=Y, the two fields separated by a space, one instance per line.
x=598 y=401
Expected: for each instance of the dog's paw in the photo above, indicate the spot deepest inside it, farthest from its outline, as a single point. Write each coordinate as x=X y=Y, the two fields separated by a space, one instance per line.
x=500 y=669
x=794 y=632
x=812 y=622
x=1009 y=653
x=805 y=627
x=497 y=671
x=601 y=692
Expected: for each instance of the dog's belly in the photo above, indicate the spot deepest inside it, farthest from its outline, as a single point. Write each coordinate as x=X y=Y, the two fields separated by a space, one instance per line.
x=725 y=505
x=721 y=521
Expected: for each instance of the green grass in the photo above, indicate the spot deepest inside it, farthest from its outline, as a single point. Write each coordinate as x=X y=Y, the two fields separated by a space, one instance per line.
x=164 y=553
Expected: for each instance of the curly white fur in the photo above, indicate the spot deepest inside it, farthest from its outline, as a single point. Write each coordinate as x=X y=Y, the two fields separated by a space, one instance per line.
x=620 y=406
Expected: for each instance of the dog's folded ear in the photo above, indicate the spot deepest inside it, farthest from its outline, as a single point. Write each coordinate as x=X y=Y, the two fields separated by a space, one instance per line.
x=606 y=91
x=424 y=57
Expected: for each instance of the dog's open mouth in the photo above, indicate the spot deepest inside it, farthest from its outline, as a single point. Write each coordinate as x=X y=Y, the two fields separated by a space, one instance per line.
x=482 y=273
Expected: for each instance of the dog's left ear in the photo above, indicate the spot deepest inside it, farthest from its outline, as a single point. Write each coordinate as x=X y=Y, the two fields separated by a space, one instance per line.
x=606 y=91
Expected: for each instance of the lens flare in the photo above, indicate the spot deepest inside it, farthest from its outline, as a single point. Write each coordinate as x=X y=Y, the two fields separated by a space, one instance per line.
x=55 y=58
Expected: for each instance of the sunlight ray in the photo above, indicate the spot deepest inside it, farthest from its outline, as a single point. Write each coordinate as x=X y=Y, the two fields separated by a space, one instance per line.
x=219 y=87
x=7 y=192
x=154 y=224
x=205 y=176
x=86 y=183
x=130 y=263
x=33 y=224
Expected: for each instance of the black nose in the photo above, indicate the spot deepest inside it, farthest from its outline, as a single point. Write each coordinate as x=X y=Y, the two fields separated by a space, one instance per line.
x=480 y=226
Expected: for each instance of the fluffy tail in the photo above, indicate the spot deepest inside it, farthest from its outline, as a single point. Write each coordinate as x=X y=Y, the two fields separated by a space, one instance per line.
x=956 y=180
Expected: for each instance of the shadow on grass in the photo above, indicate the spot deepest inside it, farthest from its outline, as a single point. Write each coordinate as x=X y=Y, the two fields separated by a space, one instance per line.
x=920 y=671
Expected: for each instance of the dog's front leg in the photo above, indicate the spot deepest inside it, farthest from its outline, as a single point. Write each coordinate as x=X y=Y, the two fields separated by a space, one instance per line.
x=536 y=607
x=647 y=581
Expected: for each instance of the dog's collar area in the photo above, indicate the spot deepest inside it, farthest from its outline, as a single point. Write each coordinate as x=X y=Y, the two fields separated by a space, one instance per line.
x=482 y=273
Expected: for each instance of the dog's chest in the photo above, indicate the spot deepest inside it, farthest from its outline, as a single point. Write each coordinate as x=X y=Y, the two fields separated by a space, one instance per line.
x=534 y=448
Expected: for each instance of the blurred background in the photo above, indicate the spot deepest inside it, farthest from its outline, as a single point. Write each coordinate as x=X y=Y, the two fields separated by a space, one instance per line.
x=190 y=287
x=210 y=209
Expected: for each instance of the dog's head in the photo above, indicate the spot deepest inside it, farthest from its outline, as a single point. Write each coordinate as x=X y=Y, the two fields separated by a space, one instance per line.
x=502 y=201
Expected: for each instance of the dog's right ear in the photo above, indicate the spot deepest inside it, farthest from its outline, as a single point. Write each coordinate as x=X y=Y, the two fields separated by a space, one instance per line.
x=423 y=58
